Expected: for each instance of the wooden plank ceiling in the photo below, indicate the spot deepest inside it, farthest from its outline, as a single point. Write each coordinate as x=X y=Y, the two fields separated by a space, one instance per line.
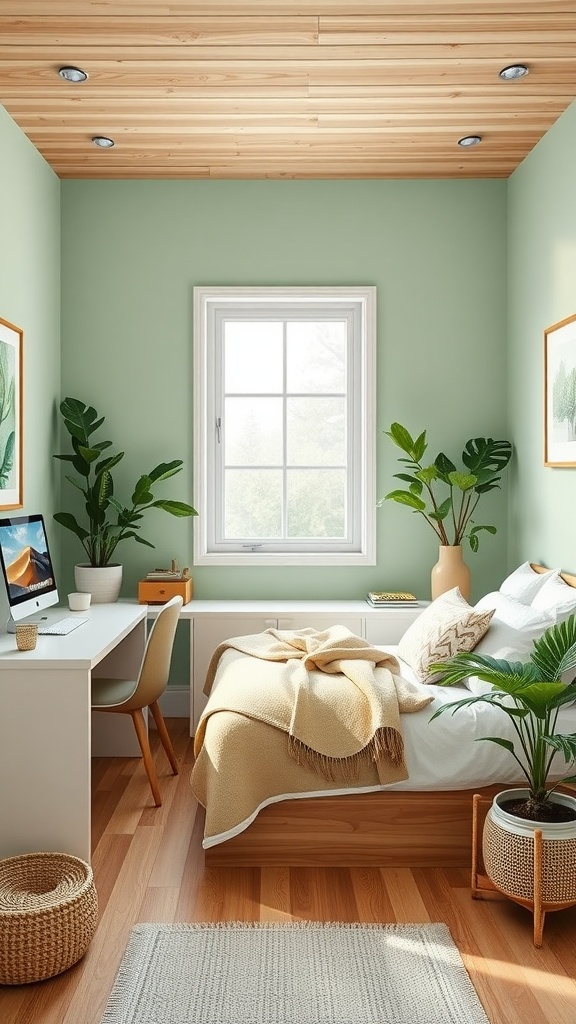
x=286 y=89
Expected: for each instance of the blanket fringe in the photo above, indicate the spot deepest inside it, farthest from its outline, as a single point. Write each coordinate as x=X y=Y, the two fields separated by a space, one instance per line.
x=386 y=742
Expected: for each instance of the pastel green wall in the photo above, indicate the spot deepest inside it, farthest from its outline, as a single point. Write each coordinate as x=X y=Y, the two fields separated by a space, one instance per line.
x=30 y=299
x=469 y=274
x=436 y=250
x=542 y=291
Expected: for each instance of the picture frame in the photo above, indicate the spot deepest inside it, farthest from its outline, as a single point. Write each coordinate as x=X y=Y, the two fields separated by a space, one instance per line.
x=560 y=393
x=11 y=488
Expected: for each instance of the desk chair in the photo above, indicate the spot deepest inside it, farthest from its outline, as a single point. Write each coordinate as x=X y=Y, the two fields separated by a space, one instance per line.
x=129 y=696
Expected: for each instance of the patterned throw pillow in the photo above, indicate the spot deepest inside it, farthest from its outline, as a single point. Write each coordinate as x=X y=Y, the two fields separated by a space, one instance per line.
x=448 y=626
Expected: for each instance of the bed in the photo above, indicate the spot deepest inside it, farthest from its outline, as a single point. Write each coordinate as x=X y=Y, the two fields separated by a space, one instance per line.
x=267 y=810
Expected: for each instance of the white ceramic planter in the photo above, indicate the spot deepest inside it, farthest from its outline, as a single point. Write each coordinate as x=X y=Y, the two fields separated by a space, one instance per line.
x=102 y=582
x=508 y=851
x=523 y=827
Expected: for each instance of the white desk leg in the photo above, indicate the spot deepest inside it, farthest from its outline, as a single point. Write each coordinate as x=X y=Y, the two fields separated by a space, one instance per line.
x=44 y=771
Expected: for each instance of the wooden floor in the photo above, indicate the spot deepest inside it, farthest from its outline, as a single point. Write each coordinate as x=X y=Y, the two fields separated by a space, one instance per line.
x=149 y=866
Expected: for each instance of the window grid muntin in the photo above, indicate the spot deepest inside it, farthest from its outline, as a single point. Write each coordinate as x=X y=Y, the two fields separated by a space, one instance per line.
x=208 y=301
x=288 y=316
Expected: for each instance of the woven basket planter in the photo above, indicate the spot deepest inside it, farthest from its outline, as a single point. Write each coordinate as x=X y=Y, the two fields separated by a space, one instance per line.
x=48 y=915
x=508 y=852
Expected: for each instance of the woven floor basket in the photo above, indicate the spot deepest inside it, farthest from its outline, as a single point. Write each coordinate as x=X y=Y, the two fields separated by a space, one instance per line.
x=48 y=915
x=509 y=862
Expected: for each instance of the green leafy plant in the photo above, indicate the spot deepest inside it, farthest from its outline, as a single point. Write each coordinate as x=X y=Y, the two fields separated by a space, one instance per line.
x=445 y=496
x=7 y=415
x=108 y=521
x=530 y=695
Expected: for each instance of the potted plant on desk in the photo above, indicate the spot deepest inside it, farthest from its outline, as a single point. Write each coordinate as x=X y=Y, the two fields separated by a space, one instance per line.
x=107 y=521
x=530 y=696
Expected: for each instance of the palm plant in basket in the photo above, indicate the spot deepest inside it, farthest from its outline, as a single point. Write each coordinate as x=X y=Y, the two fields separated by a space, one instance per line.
x=530 y=696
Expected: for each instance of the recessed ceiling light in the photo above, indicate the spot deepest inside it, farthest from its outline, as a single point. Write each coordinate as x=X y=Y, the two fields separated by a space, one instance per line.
x=72 y=74
x=470 y=140
x=513 y=71
x=103 y=141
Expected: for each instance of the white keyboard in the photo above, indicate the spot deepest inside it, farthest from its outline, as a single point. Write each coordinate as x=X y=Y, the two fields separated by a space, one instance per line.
x=61 y=627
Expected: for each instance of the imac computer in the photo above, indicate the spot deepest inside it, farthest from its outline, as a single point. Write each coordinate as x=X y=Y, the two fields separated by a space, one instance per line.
x=28 y=572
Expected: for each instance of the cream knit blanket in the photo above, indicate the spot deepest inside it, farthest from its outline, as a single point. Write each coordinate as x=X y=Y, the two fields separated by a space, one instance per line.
x=338 y=698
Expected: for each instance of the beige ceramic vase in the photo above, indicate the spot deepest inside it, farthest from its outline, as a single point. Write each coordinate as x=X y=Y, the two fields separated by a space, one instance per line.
x=450 y=571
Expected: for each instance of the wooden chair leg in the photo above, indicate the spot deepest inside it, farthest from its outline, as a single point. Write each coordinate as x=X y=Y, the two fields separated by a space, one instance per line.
x=140 y=727
x=164 y=736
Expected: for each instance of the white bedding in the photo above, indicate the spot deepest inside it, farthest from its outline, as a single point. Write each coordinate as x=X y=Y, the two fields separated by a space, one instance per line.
x=441 y=755
x=444 y=755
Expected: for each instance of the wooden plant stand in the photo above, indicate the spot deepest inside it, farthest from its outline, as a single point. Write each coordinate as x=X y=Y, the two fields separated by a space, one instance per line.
x=481 y=884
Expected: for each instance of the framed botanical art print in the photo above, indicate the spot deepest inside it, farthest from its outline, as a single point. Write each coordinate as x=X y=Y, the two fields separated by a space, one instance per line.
x=560 y=393
x=10 y=416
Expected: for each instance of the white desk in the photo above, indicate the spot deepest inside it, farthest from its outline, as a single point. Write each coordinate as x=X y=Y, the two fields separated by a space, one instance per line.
x=45 y=734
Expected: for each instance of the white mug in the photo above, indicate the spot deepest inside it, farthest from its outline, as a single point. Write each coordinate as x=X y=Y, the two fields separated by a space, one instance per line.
x=79 y=602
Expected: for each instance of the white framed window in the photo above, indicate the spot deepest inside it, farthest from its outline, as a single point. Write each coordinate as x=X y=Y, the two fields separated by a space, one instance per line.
x=284 y=425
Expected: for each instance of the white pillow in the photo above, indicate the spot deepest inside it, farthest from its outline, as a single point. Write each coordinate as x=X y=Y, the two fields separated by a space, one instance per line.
x=557 y=598
x=448 y=626
x=524 y=583
x=508 y=644
x=514 y=613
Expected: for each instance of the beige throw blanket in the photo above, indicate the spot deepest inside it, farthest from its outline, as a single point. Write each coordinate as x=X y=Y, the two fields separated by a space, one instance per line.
x=338 y=698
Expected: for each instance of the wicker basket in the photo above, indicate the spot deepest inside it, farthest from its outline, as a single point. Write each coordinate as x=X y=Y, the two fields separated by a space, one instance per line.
x=509 y=861
x=508 y=851
x=26 y=636
x=48 y=915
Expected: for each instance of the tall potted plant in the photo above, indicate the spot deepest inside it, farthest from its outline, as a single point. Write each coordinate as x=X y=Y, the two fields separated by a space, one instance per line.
x=108 y=522
x=447 y=497
x=529 y=696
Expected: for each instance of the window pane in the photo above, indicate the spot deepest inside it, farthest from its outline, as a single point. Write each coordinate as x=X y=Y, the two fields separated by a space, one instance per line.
x=253 y=503
x=250 y=347
x=316 y=503
x=316 y=431
x=253 y=431
x=284 y=425
x=316 y=356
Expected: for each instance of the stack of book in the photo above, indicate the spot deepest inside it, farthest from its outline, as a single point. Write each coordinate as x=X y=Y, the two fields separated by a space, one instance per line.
x=163 y=574
x=391 y=599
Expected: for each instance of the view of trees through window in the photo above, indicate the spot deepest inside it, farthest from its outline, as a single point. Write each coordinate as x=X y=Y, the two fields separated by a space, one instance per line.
x=285 y=425
x=284 y=428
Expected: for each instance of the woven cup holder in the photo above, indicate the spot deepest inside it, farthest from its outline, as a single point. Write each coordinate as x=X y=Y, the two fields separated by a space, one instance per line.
x=26 y=636
x=48 y=915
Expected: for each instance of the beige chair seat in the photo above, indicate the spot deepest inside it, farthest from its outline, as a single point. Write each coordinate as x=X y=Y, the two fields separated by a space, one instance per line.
x=131 y=696
x=111 y=692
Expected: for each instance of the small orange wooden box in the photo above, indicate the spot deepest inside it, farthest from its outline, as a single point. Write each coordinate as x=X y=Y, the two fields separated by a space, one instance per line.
x=160 y=591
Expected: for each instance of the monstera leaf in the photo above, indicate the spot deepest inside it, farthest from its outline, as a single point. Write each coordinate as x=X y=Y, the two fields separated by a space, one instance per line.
x=444 y=495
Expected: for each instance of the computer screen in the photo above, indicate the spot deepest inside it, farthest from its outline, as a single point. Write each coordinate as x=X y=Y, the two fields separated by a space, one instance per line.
x=26 y=565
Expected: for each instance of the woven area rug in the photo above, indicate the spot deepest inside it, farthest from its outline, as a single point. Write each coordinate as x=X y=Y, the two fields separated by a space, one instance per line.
x=302 y=973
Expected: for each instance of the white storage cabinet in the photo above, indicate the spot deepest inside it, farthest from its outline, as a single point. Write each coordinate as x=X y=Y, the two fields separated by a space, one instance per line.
x=212 y=622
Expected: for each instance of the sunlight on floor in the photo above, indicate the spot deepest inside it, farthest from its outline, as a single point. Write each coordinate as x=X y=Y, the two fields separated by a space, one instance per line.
x=545 y=981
